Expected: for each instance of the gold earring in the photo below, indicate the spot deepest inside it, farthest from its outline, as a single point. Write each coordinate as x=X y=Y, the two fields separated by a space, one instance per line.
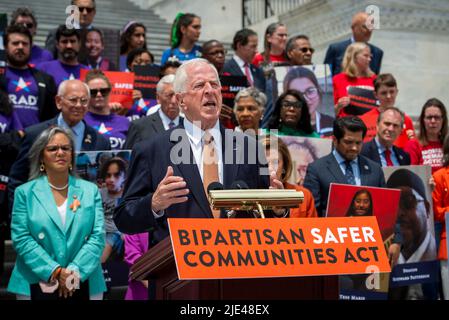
x=42 y=167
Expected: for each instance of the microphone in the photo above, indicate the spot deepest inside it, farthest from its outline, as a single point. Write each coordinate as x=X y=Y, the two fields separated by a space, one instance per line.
x=214 y=186
x=239 y=184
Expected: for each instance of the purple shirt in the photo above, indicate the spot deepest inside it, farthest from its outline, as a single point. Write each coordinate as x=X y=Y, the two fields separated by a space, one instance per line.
x=112 y=126
x=140 y=108
x=60 y=71
x=135 y=246
x=39 y=55
x=23 y=95
x=10 y=123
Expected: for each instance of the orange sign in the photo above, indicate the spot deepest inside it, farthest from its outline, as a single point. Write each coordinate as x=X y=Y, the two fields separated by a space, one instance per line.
x=268 y=248
x=122 y=86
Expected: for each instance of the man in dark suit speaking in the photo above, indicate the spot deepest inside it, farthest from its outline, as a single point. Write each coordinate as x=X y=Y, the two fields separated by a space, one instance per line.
x=169 y=174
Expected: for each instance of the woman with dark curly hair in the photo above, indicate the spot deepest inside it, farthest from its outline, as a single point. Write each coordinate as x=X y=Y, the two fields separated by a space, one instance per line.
x=291 y=116
x=185 y=32
x=361 y=204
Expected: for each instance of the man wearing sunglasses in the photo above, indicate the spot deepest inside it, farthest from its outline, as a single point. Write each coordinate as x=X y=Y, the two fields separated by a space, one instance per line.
x=299 y=51
x=24 y=16
x=72 y=101
x=362 y=29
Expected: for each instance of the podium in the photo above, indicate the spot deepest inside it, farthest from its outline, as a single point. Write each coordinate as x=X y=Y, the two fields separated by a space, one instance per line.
x=158 y=266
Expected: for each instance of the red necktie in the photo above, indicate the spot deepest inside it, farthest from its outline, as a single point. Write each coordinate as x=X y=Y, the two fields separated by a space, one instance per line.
x=248 y=74
x=387 y=153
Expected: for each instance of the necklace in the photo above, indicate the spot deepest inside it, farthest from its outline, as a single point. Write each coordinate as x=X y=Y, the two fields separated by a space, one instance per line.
x=58 y=188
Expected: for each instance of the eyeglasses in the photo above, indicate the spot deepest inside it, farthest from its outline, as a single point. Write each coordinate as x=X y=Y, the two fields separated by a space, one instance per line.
x=217 y=52
x=55 y=148
x=306 y=49
x=29 y=25
x=88 y=9
x=436 y=118
x=310 y=93
x=288 y=104
x=74 y=101
x=104 y=92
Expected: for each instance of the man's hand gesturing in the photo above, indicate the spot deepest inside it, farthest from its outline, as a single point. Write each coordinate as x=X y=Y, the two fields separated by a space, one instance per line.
x=172 y=189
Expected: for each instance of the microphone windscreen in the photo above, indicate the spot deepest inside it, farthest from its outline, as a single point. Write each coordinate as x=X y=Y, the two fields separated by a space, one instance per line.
x=239 y=184
x=214 y=186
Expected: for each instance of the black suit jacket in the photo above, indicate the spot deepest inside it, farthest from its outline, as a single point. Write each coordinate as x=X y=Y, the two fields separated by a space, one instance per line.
x=233 y=69
x=20 y=170
x=46 y=93
x=149 y=162
x=336 y=51
x=324 y=171
x=144 y=128
x=370 y=150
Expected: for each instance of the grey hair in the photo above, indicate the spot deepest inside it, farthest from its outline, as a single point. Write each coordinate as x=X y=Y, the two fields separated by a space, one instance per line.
x=258 y=96
x=63 y=87
x=36 y=152
x=168 y=79
x=179 y=85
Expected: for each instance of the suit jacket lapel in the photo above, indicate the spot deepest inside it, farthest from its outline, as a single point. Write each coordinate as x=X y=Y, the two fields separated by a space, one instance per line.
x=374 y=152
x=192 y=177
x=365 y=171
x=235 y=68
x=44 y=196
x=399 y=156
x=229 y=170
x=75 y=192
x=89 y=139
x=157 y=124
x=335 y=170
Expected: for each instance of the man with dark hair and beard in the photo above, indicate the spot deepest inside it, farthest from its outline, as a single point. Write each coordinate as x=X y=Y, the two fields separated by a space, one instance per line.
x=31 y=92
x=67 y=67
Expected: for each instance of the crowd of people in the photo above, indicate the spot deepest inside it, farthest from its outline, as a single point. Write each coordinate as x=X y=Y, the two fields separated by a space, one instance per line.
x=63 y=227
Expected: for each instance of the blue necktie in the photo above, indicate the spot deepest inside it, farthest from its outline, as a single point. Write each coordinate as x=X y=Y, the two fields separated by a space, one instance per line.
x=349 y=174
x=171 y=125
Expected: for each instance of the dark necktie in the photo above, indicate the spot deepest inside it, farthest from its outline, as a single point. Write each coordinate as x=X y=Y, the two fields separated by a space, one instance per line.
x=349 y=174
x=171 y=125
x=387 y=154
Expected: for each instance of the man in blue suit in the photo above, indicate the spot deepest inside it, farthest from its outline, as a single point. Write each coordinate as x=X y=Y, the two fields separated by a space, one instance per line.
x=381 y=148
x=361 y=32
x=72 y=100
x=169 y=174
x=344 y=164
x=245 y=47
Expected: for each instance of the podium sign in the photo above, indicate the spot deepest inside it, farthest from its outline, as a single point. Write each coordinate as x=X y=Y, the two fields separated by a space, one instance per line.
x=262 y=248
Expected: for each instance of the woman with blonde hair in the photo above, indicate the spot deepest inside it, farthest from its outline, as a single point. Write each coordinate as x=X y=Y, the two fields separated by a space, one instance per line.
x=356 y=73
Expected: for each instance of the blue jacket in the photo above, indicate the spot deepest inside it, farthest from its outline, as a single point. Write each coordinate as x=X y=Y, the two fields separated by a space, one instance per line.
x=42 y=243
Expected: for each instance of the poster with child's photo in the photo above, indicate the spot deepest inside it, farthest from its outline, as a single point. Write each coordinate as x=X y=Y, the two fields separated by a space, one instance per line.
x=355 y=201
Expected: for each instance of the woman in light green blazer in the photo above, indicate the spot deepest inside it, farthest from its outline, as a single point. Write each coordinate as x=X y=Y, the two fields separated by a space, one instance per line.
x=57 y=226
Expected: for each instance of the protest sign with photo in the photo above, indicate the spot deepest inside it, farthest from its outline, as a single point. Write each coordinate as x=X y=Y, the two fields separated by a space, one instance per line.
x=304 y=151
x=416 y=273
x=354 y=201
x=315 y=83
x=122 y=86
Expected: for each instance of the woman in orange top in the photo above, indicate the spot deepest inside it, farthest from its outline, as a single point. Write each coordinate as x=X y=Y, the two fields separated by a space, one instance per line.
x=279 y=160
x=440 y=207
